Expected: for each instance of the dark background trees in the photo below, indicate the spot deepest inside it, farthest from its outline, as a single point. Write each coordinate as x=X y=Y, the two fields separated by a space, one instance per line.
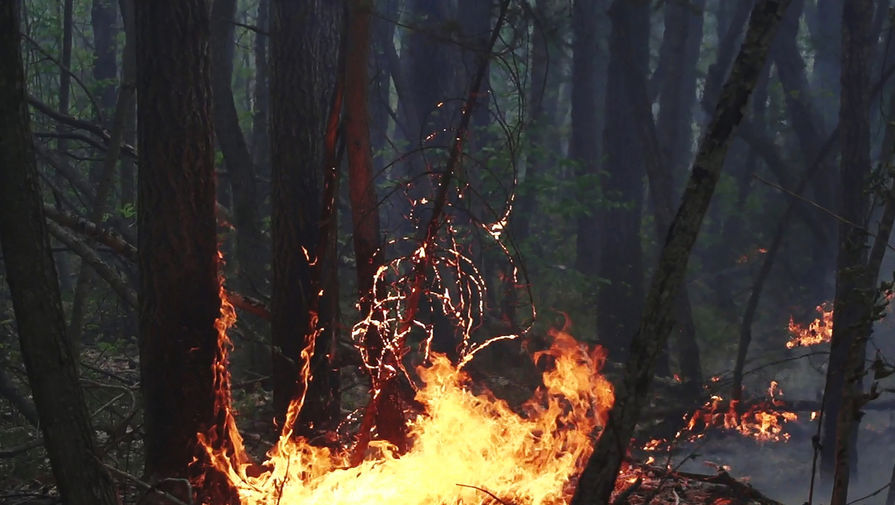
x=308 y=141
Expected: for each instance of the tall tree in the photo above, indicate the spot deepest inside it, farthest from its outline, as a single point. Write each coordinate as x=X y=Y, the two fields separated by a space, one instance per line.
x=598 y=478
x=304 y=45
x=31 y=274
x=850 y=314
x=620 y=298
x=584 y=149
x=178 y=258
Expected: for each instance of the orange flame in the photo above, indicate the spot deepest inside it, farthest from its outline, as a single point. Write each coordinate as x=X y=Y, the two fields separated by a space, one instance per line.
x=463 y=443
x=762 y=420
x=817 y=332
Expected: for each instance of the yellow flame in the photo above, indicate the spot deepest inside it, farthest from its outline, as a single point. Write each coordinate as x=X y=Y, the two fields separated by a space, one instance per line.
x=462 y=439
x=816 y=332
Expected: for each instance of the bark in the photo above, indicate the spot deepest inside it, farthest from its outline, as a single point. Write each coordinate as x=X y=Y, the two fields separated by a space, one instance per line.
x=304 y=60
x=598 y=479
x=31 y=274
x=249 y=241
x=620 y=298
x=852 y=307
x=179 y=287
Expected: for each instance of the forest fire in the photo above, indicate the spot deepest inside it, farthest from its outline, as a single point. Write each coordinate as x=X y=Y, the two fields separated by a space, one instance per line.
x=816 y=332
x=464 y=445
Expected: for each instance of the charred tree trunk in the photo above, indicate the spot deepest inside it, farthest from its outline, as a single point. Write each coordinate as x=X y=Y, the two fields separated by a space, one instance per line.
x=304 y=58
x=851 y=307
x=31 y=274
x=178 y=265
x=598 y=479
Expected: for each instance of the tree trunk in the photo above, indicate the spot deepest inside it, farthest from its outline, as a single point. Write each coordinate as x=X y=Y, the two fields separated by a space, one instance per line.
x=386 y=406
x=31 y=274
x=584 y=148
x=305 y=39
x=620 y=298
x=852 y=307
x=598 y=479
x=178 y=258
x=677 y=98
x=249 y=241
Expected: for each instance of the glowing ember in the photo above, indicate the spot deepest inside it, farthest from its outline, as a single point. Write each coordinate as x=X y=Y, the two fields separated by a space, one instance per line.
x=817 y=332
x=461 y=439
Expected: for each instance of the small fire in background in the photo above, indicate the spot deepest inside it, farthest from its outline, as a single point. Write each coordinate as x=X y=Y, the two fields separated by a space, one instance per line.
x=816 y=332
x=761 y=420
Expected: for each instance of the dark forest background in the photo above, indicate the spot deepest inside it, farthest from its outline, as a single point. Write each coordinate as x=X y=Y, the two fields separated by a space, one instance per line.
x=281 y=132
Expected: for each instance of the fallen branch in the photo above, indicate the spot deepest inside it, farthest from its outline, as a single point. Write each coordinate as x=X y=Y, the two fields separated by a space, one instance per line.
x=88 y=255
x=15 y=451
x=154 y=488
x=88 y=228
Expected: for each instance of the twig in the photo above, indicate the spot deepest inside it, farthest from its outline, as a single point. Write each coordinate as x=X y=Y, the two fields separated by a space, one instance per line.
x=489 y=493
x=818 y=206
x=15 y=451
x=41 y=50
x=871 y=495
x=153 y=488
x=622 y=497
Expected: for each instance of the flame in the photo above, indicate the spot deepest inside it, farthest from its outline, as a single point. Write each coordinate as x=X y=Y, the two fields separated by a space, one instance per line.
x=761 y=420
x=463 y=443
x=817 y=332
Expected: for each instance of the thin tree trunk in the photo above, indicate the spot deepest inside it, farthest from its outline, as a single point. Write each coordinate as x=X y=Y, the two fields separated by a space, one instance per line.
x=598 y=479
x=31 y=274
x=105 y=182
x=249 y=241
x=855 y=282
x=385 y=410
x=618 y=221
x=584 y=147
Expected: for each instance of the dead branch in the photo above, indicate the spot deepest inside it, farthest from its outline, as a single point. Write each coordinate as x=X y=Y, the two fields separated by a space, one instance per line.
x=21 y=449
x=88 y=255
x=89 y=229
x=154 y=488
